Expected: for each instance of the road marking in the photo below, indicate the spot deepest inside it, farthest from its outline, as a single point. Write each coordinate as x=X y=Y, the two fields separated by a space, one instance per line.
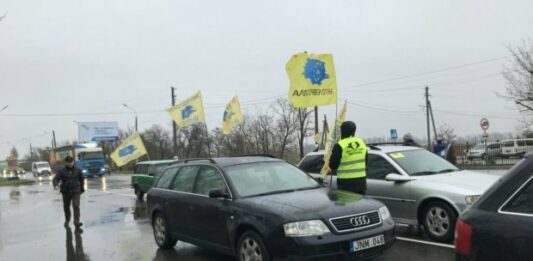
x=425 y=242
x=114 y=193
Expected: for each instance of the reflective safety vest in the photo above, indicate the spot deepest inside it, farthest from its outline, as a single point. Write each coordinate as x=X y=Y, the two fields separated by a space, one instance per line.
x=353 y=161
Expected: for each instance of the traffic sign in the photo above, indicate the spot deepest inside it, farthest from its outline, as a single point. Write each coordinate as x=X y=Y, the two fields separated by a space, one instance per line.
x=393 y=134
x=484 y=123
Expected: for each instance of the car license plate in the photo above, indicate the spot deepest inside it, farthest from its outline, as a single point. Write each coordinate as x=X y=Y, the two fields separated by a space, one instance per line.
x=367 y=243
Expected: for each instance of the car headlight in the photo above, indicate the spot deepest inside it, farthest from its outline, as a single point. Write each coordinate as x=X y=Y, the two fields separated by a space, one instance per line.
x=384 y=212
x=102 y=169
x=306 y=228
x=470 y=200
x=84 y=171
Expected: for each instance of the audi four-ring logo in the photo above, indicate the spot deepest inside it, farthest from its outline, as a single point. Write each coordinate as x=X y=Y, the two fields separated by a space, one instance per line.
x=360 y=221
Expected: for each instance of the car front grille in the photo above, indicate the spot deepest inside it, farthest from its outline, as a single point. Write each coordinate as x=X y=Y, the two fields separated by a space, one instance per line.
x=356 y=222
x=94 y=170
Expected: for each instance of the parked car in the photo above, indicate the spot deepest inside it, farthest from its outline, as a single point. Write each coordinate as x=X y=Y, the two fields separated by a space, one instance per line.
x=516 y=147
x=41 y=168
x=500 y=225
x=262 y=208
x=485 y=151
x=21 y=171
x=144 y=175
x=419 y=187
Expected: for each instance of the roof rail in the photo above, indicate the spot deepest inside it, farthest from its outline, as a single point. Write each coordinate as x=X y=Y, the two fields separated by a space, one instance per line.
x=259 y=155
x=198 y=159
x=384 y=143
x=373 y=147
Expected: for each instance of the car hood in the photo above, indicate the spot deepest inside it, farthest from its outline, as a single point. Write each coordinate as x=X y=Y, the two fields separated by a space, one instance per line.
x=464 y=181
x=313 y=204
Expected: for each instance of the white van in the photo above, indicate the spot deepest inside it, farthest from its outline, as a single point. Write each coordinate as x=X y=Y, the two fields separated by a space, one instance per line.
x=41 y=168
x=516 y=147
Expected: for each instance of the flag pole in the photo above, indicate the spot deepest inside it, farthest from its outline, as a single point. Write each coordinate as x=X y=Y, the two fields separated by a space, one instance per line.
x=334 y=139
x=207 y=137
x=147 y=154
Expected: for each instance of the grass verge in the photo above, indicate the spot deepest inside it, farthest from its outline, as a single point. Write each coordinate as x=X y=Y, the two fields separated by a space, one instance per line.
x=14 y=182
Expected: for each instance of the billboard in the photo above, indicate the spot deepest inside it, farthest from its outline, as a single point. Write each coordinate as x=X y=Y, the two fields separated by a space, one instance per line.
x=97 y=131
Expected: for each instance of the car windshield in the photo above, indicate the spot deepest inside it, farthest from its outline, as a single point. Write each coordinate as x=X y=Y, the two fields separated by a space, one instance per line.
x=422 y=162
x=254 y=179
x=42 y=165
x=90 y=155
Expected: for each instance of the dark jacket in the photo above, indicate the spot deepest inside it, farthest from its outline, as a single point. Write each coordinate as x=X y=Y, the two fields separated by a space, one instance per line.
x=71 y=180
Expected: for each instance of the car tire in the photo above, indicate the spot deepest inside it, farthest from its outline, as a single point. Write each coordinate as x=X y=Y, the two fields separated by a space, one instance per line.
x=161 y=232
x=139 y=193
x=439 y=221
x=252 y=247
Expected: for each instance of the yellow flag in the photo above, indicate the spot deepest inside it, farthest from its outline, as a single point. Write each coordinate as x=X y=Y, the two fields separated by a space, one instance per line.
x=313 y=80
x=333 y=137
x=131 y=149
x=189 y=111
x=232 y=115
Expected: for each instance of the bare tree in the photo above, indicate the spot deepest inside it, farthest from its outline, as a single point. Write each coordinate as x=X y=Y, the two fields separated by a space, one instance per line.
x=304 y=127
x=286 y=125
x=157 y=142
x=447 y=132
x=520 y=77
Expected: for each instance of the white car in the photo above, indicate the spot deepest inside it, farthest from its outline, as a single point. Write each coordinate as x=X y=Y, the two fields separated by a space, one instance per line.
x=418 y=187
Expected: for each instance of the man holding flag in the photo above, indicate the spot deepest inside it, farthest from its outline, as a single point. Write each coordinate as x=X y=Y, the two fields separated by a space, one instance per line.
x=348 y=160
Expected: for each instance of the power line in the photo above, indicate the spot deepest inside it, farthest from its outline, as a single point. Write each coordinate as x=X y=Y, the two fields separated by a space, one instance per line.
x=430 y=72
x=492 y=75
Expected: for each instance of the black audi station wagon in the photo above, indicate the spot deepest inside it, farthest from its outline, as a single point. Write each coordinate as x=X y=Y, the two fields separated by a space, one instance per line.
x=263 y=208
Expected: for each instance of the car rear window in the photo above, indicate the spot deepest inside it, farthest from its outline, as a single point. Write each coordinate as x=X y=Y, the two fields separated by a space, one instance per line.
x=522 y=202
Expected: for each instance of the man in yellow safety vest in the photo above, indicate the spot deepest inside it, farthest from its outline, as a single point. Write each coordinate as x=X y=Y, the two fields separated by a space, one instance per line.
x=348 y=160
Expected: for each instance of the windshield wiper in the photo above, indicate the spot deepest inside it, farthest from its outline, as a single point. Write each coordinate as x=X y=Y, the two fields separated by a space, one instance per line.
x=284 y=191
x=273 y=192
x=308 y=188
x=422 y=173
x=448 y=170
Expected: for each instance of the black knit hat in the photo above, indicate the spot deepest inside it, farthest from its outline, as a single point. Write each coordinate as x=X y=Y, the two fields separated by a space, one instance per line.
x=348 y=129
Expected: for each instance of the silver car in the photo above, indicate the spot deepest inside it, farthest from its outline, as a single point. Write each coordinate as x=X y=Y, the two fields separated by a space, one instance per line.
x=418 y=187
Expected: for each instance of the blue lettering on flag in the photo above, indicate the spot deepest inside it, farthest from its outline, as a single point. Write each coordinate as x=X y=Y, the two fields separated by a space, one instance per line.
x=126 y=151
x=187 y=111
x=315 y=70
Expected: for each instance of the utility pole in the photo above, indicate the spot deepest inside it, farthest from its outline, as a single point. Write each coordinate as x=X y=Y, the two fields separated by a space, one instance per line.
x=427 y=117
x=174 y=134
x=54 y=144
x=432 y=120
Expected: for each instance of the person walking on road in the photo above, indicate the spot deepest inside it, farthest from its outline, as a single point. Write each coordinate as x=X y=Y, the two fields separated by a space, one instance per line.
x=71 y=182
x=348 y=160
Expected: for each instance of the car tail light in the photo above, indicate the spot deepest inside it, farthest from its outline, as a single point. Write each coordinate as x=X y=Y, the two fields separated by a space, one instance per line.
x=463 y=238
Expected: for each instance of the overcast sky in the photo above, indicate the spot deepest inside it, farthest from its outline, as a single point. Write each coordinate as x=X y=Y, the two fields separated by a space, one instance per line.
x=70 y=56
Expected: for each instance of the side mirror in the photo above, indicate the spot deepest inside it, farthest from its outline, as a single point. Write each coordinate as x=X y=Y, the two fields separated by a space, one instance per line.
x=218 y=193
x=397 y=177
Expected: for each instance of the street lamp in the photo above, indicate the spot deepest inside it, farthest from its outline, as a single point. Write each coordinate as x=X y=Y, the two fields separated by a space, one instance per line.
x=134 y=111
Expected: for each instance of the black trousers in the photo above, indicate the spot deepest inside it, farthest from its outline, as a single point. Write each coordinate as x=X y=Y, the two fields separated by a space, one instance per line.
x=74 y=199
x=357 y=185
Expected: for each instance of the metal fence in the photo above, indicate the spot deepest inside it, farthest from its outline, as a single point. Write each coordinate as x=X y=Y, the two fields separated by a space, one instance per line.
x=488 y=155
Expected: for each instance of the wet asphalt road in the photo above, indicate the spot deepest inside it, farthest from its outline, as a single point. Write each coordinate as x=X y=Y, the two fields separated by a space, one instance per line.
x=116 y=228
